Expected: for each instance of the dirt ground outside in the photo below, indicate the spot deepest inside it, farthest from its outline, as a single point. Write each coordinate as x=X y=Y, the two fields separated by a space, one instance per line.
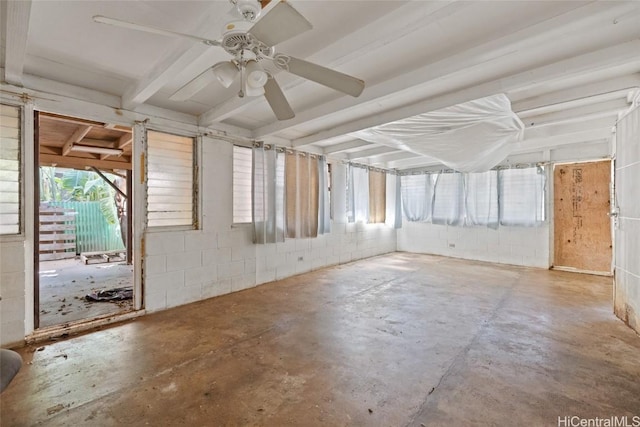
x=65 y=283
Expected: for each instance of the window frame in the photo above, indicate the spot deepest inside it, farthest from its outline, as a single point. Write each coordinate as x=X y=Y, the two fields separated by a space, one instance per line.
x=235 y=223
x=196 y=180
x=21 y=234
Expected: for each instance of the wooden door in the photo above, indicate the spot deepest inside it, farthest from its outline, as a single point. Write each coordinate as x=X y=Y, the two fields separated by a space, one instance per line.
x=582 y=230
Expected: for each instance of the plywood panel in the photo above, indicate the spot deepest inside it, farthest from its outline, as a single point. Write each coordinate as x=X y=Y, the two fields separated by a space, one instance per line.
x=582 y=230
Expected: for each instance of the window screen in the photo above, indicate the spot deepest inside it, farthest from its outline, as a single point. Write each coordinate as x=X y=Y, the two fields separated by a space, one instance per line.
x=521 y=193
x=242 y=161
x=171 y=193
x=9 y=169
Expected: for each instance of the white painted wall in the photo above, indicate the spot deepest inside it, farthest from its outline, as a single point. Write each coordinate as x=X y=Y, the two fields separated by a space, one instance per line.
x=627 y=234
x=186 y=266
x=12 y=290
x=527 y=246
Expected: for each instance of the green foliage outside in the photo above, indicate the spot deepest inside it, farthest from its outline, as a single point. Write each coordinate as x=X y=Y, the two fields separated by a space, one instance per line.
x=71 y=185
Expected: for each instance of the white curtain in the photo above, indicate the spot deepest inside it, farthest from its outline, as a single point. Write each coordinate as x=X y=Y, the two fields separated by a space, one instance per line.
x=268 y=195
x=448 y=199
x=357 y=194
x=417 y=197
x=324 y=215
x=522 y=196
x=481 y=198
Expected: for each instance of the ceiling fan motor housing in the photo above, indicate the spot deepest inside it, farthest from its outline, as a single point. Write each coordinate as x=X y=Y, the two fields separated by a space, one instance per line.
x=236 y=39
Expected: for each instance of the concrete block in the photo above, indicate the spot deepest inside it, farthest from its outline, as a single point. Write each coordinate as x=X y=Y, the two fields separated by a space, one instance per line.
x=164 y=281
x=12 y=332
x=200 y=275
x=242 y=282
x=12 y=285
x=333 y=260
x=184 y=260
x=156 y=300
x=345 y=258
x=250 y=266
x=184 y=295
x=155 y=264
x=241 y=235
x=162 y=243
x=303 y=244
x=289 y=245
x=12 y=259
x=285 y=271
x=242 y=252
x=236 y=268
x=265 y=276
x=221 y=287
x=199 y=240
x=225 y=239
x=224 y=271
x=318 y=263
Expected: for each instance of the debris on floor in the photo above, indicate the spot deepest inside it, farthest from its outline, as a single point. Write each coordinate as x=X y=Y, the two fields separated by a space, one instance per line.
x=116 y=294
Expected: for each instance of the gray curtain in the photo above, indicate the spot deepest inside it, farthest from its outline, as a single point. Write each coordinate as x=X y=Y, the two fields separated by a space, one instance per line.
x=268 y=194
x=324 y=215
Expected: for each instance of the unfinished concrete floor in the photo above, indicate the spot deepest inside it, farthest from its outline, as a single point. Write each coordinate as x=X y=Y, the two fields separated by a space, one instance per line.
x=394 y=340
x=64 y=284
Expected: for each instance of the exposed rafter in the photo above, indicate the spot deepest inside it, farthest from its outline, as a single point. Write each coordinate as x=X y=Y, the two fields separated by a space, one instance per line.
x=15 y=23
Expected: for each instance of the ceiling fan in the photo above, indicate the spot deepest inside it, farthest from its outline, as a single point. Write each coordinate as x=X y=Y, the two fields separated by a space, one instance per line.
x=249 y=41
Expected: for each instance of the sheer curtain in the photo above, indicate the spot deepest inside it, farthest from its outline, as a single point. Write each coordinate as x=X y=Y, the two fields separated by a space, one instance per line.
x=417 y=195
x=324 y=214
x=522 y=196
x=268 y=195
x=301 y=193
x=448 y=199
x=481 y=198
x=377 y=196
x=357 y=194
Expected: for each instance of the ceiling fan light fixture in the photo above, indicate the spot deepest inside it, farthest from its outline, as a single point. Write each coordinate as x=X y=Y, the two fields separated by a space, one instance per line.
x=253 y=91
x=226 y=73
x=256 y=76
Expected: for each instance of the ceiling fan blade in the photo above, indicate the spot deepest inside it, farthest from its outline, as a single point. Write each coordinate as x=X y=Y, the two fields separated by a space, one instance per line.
x=194 y=86
x=277 y=101
x=279 y=24
x=319 y=74
x=147 y=29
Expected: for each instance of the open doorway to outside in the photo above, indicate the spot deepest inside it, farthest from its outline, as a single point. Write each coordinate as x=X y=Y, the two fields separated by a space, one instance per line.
x=83 y=245
x=582 y=227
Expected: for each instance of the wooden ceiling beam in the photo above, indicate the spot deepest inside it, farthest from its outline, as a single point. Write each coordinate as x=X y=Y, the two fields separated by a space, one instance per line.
x=81 y=163
x=77 y=136
x=123 y=141
x=65 y=119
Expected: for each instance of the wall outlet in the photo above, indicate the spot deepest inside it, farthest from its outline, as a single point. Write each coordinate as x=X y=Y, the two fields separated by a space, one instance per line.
x=452 y=245
x=300 y=258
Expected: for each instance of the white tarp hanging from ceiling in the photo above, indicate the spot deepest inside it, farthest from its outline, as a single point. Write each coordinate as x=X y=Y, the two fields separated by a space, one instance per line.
x=471 y=137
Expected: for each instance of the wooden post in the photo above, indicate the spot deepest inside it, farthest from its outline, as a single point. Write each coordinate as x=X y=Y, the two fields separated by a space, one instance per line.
x=129 y=204
x=36 y=222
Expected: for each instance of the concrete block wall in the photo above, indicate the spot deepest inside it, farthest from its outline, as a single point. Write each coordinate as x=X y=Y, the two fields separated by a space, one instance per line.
x=526 y=246
x=12 y=291
x=186 y=266
x=627 y=233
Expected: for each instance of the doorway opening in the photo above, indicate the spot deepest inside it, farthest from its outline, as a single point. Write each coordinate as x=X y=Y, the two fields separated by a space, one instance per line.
x=582 y=226
x=83 y=254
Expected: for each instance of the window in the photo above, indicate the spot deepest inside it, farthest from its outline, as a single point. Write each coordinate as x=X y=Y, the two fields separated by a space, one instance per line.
x=171 y=189
x=448 y=201
x=521 y=193
x=417 y=193
x=481 y=198
x=242 y=187
x=9 y=170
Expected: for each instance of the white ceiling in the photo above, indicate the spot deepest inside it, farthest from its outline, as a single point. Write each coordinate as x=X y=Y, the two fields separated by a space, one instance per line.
x=568 y=67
